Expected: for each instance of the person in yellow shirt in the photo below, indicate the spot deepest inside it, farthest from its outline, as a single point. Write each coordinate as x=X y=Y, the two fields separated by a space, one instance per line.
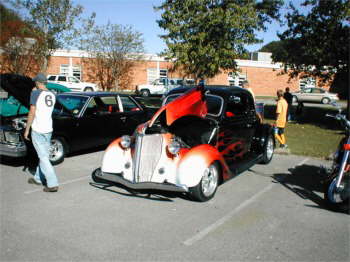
x=281 y=117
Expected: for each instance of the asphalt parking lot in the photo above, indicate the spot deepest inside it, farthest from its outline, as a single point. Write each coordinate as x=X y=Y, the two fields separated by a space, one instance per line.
x=269 y=213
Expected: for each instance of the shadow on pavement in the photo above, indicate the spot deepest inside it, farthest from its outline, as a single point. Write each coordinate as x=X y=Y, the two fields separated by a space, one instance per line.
x=155 y=195
x=306 y=182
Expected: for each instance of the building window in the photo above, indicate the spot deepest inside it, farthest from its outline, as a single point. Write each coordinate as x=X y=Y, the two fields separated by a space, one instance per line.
x=241 y=79
x=152 y=75
x=307 y=83
x=236 y=80
x=64 y=70
x=77 y=72
x=163 y=73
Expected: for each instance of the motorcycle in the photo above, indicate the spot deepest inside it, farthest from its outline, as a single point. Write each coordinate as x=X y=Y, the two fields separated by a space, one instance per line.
x=337 y=182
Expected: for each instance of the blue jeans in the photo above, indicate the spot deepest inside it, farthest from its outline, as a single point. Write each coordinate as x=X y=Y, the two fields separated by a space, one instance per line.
x=45 y=172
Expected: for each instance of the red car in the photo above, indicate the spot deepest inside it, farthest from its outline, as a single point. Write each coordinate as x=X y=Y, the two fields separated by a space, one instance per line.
x=199 y=138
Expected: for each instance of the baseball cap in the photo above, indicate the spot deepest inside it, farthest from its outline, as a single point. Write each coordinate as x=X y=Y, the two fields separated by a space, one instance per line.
x=40 y=78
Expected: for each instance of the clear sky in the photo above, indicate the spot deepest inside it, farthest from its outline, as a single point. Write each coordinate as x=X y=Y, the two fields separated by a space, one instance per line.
x=141 y=15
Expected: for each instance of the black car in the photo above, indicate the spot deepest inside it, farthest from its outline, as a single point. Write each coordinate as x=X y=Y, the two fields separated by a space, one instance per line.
x=199 y=138
x=81 y=120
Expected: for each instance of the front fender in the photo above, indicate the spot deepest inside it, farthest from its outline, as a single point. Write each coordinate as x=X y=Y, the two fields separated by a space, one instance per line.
x=193 y=163
x=115 y=158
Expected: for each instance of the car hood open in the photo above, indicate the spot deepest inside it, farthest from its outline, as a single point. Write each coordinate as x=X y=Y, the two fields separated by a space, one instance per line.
x=190 y=103
x=18 y=86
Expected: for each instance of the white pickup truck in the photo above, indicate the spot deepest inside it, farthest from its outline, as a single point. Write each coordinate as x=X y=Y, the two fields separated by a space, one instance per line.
x=72 y=82
x=158 y=87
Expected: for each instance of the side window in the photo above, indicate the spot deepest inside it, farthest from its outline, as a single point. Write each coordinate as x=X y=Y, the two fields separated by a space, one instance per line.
x=91 y=109
x=73 y=79
x=214 y=104
x=111 y=104
x=238 y=105
x=307 y=90
x=128 y=104
x=62 y=78
x=52 y=78
x=317 y=91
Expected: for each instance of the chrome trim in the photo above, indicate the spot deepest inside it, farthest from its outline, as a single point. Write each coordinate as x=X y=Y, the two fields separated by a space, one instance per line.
x=137 y=157
x=117 y=178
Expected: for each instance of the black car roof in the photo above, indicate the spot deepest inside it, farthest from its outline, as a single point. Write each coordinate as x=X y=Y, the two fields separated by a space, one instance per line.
x=221 y=90
x=94 y=94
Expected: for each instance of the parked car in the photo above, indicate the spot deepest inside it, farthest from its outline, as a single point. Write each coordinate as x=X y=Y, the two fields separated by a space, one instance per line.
x=73 y=83
x=314 y=95
x=13 y=119
x=199 y=138
x=80 y=120
x=158 y=87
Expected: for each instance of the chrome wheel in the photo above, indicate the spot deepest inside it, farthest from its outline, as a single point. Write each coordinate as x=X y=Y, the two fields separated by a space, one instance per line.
x=338 y=195
x=210 y=180
x=56 y=151
x=269 y=148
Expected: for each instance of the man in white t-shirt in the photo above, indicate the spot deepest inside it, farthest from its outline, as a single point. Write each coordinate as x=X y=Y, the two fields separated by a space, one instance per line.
x=42 y=103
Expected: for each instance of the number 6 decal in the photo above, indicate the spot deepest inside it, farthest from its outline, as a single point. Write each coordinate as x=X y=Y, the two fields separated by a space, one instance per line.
x=48 y=100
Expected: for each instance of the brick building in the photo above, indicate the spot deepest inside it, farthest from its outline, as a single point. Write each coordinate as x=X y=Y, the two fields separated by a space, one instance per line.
x=264 y=77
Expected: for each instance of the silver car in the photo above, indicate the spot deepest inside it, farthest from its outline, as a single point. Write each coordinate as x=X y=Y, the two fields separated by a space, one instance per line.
x=314 y=95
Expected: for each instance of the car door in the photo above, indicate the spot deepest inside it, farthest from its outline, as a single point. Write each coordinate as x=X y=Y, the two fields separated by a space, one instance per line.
x=63 y=81
x=236 y=129
x=306 y=95
x=132 y=114
x=90 y=126
x=113 y=118
x=75 y=121
x=159 y=86
x=317 y=94
x=73 y=83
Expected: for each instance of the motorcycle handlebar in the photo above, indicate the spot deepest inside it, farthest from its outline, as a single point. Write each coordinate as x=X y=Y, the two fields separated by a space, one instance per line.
x=340 y=117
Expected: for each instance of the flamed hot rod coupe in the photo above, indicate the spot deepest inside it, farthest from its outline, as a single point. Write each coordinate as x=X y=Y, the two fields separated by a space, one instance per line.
x=199 y=138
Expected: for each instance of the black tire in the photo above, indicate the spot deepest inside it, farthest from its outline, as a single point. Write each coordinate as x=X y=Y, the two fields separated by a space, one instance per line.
x=145 y=93
x=58 y=150
x=268 y=150
x=88 y=89
x=208 y=185
x=325 y=100
x=338 y=200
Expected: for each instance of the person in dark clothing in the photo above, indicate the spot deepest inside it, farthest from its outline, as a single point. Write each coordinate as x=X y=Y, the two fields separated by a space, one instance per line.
x=289 y=98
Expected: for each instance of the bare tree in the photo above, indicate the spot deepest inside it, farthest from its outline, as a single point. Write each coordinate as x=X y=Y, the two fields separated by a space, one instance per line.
x=113 y=50
x=53 y=23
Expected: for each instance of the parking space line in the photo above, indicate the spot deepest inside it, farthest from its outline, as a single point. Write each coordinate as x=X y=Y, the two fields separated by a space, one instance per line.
x=64 y=183
x=203 y=233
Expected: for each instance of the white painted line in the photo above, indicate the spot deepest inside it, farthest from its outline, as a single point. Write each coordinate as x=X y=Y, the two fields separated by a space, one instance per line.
x=203 y=233
x=64 y=183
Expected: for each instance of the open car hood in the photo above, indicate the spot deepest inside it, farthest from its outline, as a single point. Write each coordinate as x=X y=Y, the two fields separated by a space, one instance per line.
x=190 y=103
x=18 y=86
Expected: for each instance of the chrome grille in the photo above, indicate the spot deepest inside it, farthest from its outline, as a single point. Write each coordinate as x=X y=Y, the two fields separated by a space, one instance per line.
x=148 y=151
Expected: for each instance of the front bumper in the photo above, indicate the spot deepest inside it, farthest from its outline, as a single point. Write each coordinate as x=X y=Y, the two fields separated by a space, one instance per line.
x=99 y=176
x=15 y=150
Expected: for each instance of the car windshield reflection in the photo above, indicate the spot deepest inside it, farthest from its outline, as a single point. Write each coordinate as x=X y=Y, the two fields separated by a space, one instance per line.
x=73 y=104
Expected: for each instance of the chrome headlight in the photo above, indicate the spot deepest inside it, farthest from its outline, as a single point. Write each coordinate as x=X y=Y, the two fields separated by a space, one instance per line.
x=125 y=142
x=174 y=147
x=19 y=123
x=12 y=137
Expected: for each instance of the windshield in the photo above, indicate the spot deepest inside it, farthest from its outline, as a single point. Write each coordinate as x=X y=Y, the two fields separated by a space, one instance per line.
x=72 y=103
x=214 y=103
